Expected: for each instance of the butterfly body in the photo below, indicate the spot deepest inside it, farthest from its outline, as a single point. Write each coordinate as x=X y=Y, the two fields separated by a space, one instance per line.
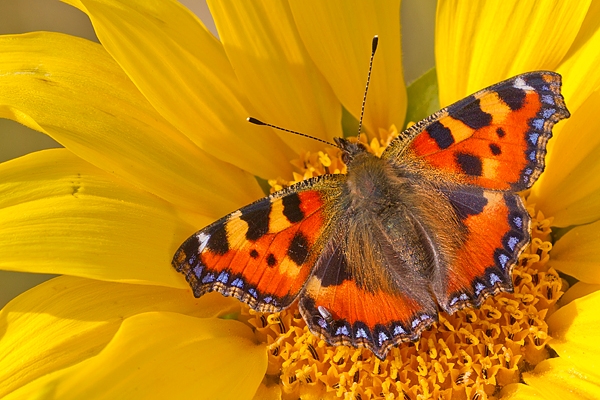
x=371 y=256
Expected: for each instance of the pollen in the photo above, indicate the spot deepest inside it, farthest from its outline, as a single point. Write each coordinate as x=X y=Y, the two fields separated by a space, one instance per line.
x=471 y=354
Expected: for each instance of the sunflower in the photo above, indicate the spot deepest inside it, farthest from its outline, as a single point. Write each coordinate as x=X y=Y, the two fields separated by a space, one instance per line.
x=156 y=145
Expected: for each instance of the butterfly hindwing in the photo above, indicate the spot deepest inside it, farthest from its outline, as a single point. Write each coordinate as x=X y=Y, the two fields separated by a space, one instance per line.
x=495 y=138
x=497 y=226
x=260 y=253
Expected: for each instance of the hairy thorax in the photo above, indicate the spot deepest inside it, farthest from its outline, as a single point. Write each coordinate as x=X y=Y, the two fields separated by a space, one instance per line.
x=372 y=184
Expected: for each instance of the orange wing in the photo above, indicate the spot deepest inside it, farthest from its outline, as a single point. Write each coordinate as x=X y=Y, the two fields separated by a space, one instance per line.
x=260 y=254
x=489 y=146
x=495 y=138
x=497 y=229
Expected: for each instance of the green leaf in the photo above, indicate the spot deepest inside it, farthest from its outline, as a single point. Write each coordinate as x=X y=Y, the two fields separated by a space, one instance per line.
x=264 y=185
x=423 y=97
x=349 y=123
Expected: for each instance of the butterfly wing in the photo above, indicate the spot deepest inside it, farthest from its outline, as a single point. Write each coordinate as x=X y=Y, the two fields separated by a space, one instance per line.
x=488 y=146
x=495 y=138
x=263 y=253
x=496 y=226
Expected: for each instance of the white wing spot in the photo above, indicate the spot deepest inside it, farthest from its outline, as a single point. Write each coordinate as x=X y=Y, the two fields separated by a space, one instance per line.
x=521 y=84
x=203 y=240
x=235 y=214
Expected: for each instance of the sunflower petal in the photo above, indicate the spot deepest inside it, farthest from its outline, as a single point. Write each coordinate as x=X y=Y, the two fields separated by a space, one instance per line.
x=72 y=90
x=580 y=68
x=557 y=378
x=580 y=289
x=575 y=334
x=274 y=70
x=183 y=357
x=576 y=253
x=480 y=43
x=337 y=35
x=516 y=391
x=68 y=319
x=183 y=72
x=569 y=189
x=62 y=215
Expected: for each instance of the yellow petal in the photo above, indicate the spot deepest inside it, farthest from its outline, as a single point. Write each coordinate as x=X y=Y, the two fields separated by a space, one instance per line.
x=67 y=320
x=61 y=215
x=72 y=90
x=569 y=188
x=580 y=71
x=481 y=43
x=337 y=35
x=164 y=355
x=518 y=391
x=575 y=333
x=576 y=253
x=580 y=289
x=184 y=73
x=557 y=379
x=274 y=70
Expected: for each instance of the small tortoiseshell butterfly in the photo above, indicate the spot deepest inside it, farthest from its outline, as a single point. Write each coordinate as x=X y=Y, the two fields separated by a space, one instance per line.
x=371 y=256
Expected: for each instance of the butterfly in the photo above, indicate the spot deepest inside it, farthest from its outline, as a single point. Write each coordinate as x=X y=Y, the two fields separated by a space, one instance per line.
x=371 y=256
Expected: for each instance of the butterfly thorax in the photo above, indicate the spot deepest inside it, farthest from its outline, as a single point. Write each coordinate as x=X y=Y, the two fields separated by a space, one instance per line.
x=370 y=183
x=373 y=184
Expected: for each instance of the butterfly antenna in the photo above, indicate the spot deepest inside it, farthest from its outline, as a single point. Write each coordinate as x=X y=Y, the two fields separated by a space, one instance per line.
x=362 y=107
x=255 y=121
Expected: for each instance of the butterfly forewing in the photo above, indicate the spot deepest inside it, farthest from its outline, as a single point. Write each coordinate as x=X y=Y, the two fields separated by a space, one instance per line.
x=495 y=138
x=261 y=254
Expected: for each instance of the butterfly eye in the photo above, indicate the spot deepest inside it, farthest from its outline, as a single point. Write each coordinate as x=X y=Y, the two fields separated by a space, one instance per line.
x=346 y=158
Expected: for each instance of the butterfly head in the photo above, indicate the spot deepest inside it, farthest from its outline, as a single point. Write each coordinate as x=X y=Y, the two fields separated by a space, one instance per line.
x=349 y=149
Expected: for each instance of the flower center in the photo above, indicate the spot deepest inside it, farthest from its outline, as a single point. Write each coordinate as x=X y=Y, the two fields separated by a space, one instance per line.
x=470 y=354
